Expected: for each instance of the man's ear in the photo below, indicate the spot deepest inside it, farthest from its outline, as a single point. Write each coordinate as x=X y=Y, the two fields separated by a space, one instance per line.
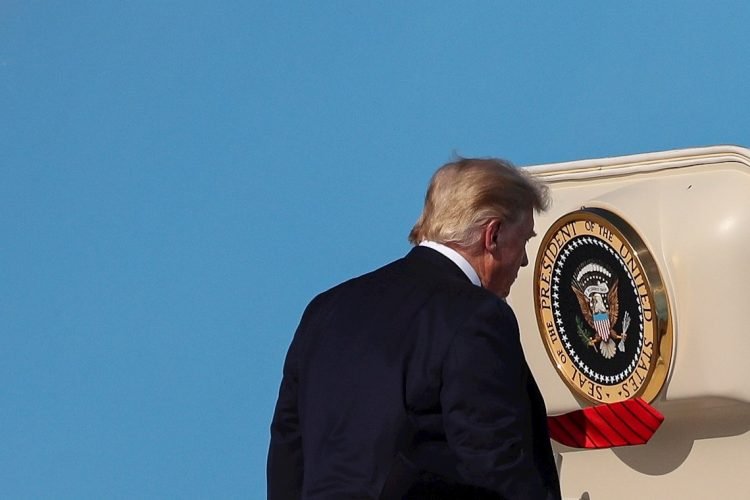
x=490 y=235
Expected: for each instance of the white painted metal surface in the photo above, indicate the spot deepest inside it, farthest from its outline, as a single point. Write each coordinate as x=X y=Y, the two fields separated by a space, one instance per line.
x=692 y=209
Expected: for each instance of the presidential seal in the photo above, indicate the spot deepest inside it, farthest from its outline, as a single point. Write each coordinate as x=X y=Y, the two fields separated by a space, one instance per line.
x=601 y=308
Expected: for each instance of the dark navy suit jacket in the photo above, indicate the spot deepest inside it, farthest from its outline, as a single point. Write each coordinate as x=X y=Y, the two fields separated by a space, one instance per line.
x=409 y=382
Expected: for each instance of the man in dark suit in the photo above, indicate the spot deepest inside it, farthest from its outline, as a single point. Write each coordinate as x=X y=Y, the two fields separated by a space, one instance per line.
x=410 y=381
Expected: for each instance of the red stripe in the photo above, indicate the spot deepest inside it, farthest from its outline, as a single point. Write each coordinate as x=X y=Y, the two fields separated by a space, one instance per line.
x=562 y=434
x=568 y=422
x=647 y=414
x=596 y=421
x=609 y=413
x=656 y=413
x=597 y=438
x=634 y=418
x=628 y=422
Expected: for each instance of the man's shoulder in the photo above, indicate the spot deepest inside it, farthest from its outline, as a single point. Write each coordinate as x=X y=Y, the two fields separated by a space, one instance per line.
x=422 y=275
x=420 y=268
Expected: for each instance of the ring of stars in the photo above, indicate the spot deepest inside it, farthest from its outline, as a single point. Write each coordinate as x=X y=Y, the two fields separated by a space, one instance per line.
x=567 y=250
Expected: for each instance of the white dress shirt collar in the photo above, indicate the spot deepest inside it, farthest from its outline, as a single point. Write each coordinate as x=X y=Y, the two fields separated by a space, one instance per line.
x=456 y=258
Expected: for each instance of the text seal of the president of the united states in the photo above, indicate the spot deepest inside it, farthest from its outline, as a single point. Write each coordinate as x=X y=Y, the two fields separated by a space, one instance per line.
x=602 y=308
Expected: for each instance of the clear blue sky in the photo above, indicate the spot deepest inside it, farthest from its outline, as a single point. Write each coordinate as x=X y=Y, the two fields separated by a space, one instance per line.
x=178 y=179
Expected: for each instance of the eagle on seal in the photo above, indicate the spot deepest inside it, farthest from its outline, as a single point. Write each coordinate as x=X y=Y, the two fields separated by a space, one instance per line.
x=601 y=317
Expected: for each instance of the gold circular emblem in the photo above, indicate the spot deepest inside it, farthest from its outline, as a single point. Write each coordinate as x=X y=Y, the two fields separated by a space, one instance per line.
x=602 y=308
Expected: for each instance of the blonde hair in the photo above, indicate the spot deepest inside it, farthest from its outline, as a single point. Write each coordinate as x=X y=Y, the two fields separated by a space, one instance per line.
x=466 y=194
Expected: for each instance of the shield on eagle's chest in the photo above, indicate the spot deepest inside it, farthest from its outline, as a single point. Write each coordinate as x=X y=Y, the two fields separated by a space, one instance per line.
x=601 y=323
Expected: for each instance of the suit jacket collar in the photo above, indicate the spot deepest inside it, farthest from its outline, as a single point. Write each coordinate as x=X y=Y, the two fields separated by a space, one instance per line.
x=438 y=260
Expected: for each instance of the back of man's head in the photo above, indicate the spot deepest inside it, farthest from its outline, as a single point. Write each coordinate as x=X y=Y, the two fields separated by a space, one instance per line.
x=466 y=194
